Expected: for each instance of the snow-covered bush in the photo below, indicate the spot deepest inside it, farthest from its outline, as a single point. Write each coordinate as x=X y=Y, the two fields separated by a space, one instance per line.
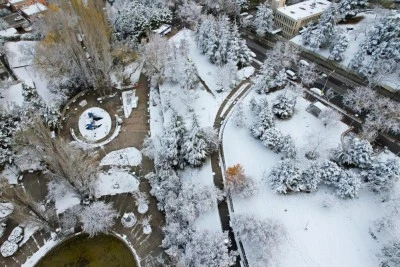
x=16 y=235
x=141 y=202
x=236 y=182
x=97 y=218
x=311 y=177
x=145 y=222
x=273 y=139
x=286 y=177
x=283 y=106
x=265 y=235
x=128 y=220
x=355 y=152
x=206 y=248
x=348 y=184
x=382 y=174
x=329 y=172
x=391 y=254
x=8 y=248
x=264 y=121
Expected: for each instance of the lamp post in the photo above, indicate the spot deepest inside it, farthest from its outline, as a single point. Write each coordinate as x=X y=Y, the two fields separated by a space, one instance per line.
x=326 y=81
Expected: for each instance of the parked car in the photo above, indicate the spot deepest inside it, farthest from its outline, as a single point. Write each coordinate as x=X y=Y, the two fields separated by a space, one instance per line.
x=303 y=62
x=317 y=91
x=291 y=75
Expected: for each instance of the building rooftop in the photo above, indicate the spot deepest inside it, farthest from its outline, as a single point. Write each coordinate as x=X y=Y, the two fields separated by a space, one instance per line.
x=15 y=1
x=34 y=9
x=305 y=9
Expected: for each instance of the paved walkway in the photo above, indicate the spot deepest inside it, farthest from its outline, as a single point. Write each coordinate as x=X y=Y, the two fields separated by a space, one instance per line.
x=133 y=131
x=218 y=162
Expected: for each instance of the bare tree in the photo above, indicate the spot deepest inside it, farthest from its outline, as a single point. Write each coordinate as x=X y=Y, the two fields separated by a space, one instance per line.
x=67 y=164
x=25 y=208
x=76 y=44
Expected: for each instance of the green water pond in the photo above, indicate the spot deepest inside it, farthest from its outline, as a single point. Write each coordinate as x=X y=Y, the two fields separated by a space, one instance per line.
x=82 y=251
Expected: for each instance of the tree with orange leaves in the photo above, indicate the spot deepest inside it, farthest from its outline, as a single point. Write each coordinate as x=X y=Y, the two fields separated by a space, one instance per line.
x=237 y=182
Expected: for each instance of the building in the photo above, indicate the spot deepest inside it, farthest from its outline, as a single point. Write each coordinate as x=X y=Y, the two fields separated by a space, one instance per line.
x=291 y=18
x=19 y=4
x=33 y=10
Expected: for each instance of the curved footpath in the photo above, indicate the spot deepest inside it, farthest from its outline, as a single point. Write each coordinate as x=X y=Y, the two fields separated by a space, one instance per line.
x=218 y=165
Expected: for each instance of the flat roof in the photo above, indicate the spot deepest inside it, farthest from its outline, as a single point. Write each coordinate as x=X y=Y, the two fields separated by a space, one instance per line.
x=34 y=9
x=305 y=9
x=15 y=1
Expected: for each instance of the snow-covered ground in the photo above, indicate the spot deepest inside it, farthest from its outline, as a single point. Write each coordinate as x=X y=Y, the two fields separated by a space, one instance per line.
x=332 y=236
x=11 y=95
x=116 y=181
x=20 y=56
x=205 y=106
x=356 y=34
x=129 y=156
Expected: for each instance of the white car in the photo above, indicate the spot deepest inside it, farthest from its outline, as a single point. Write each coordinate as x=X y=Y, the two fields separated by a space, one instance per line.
x=317 y=91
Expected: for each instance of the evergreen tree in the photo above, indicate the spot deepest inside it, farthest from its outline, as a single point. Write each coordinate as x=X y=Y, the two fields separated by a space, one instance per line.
x=273 y=139
x=264 y=19
x=349 y=8
x=286 y=177
x=354 y=151
x=311 y=178
x=329 y=172
x=383 y=174
x=265 y=121
x=338 y=49
x=348 y=185
x=307 y=34
x=9 y=124
x=190 y=79
x=194 y=148
x=325 y=28
x=239 y=115
x=283 y=106
x=289 y=148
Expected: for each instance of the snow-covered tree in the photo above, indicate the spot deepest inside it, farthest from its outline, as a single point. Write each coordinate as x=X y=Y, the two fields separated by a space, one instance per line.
x=9 y=124
x=265 y=121
x=273 y=139
x=307 y=73
x=189 y=12
x=355 y=152
x=307 y=34
x=325 y=28
x=97 y=218
x=226 y=76
x=194 y=147
x=132 y=19
x=149 y=149
x=329 y=172
x=206 y=248
x=189 y=80
x=265 y=234
x=155 y=54
x=311 y=177
x=263 y=80
x=383 y=174
x=239 y=115
x=329 y=117
x=283 y=106
x=237 y=182
x=35 y=103
x=264 y=19
x=3 y=25
x=285 y=177
x=349 y=8
x=391 y=253
x=289 y=149
x=141 y=201
x=338 y=47
x=348 y=184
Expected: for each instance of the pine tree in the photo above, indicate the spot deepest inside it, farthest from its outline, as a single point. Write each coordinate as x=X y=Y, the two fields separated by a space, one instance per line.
x=239 y=115
x=307 y=34
x=265 y=121
x=194 y=147
x=348 y=185
x=289 y=148
x=10 y=123
x=325 y=28
x=273 y=139
x=354 y=151
x=338 y=49
x=190 y=79
x=264 y=19
x=283 y=106
x=286 y=177
x=311 y=178
x=329 y=172
x=349 y=8
x=383 y=174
